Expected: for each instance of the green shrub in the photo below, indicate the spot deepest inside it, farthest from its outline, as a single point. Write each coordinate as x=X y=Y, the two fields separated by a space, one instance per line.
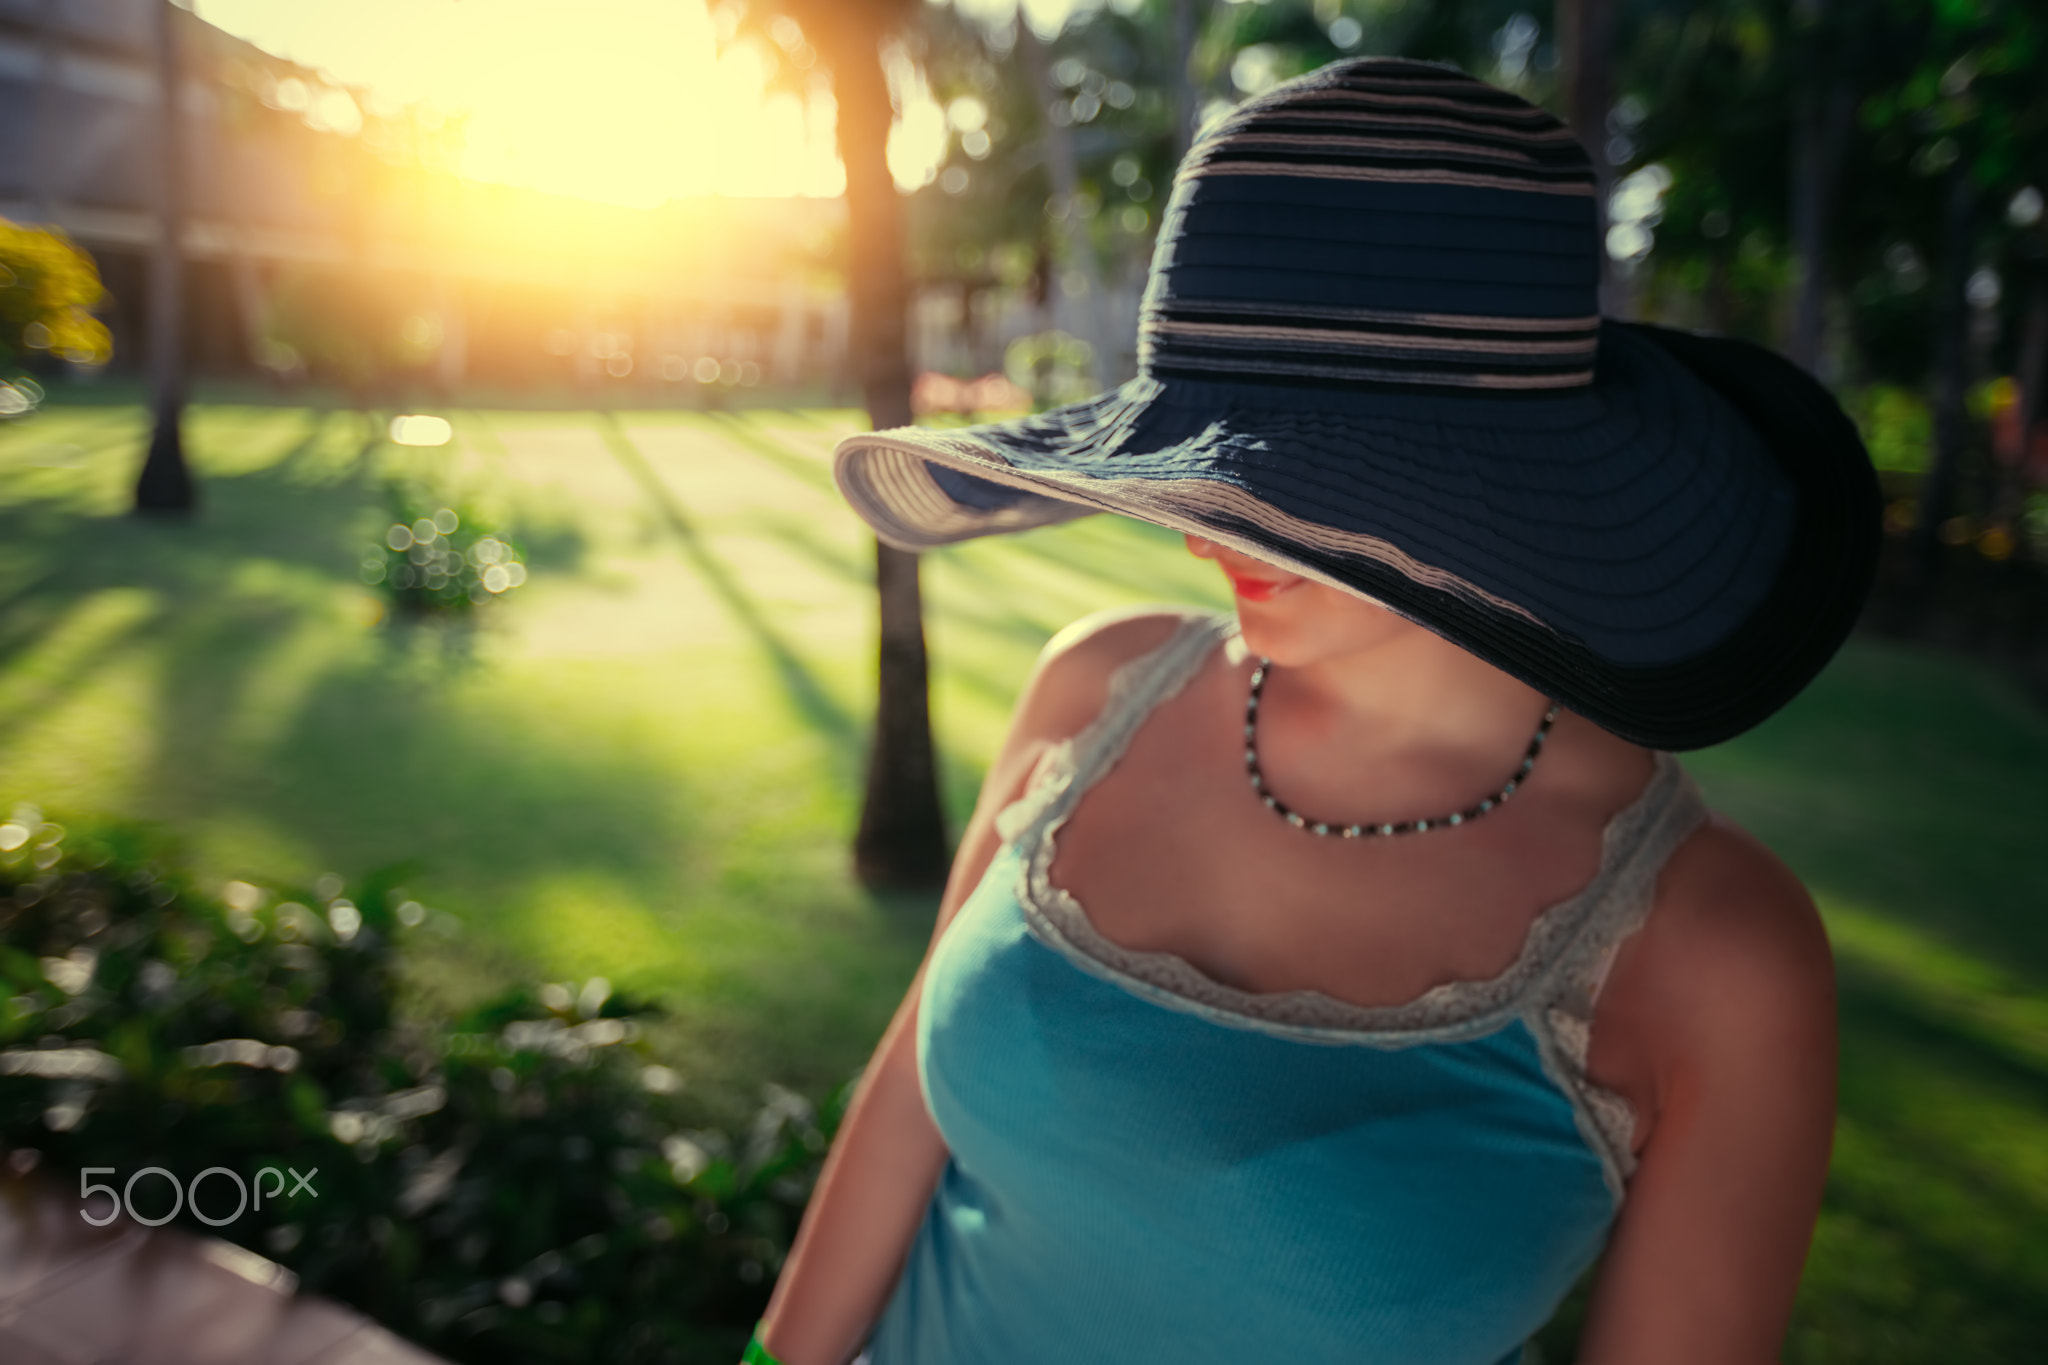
x=1896 y=424
x=47 y=289
x=2034 y=524
x=520 y=1184
x=434 y=559
x=1051 y=366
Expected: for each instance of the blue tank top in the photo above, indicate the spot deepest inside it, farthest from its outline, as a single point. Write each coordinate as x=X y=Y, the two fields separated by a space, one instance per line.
x=1147 y=1165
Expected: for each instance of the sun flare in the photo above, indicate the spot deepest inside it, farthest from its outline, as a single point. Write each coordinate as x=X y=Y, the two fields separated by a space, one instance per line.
x=622 y=101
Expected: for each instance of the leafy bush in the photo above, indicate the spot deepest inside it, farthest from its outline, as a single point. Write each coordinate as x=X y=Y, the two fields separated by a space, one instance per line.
x=1896 y=425
x=47 y=287
x=1051 y=366
x=438 y=560
x=2034 y=524
x=521 y=1184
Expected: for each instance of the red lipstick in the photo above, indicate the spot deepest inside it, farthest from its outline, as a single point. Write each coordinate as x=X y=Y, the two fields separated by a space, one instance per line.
x=1260 y=589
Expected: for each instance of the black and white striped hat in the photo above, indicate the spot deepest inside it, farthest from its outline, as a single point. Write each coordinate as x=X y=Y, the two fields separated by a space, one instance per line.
x=1371 y=353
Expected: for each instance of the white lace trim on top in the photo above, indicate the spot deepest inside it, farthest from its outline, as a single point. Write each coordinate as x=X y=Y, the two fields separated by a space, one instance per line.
x=1551 y=986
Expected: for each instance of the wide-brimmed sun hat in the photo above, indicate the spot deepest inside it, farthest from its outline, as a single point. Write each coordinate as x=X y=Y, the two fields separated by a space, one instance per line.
x=1371 y=353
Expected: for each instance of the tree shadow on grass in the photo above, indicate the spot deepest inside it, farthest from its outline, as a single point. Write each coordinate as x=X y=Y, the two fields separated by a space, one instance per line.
x=279 y=720
x=383 y=758
x=282 y=509
x=1932 y=1249
x=1116 y=551
x=801 y=535
x=745 y=432
x=995 y=609
x=89 y=435
x=224 y=595
x=1908 y=784
x=283 y=513
x=348 y=748
x=473 y=426
x=305 y=508
x=553 y=834
x=1905 y=787
x=1929 y=1252
x=809 y=695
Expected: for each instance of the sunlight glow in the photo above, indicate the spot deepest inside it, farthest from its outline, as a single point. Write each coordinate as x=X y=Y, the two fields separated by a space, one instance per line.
x=421 y=430
x=1046 y=17
x=622 y=101
x=917 y=144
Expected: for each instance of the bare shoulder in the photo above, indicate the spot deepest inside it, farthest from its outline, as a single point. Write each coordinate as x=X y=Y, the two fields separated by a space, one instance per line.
x=1065 y=692
x=1071 y=681
x=1735 y=943
x=1723 y=1007
x=1727 y=992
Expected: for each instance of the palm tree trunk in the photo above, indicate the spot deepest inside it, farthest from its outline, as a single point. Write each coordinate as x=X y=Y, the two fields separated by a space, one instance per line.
x=1064 y=167
x=1585 y=42
x=2032 y=368
x=1585 y=49
x=1187 y=26
x=165 y=485
x=901 y=842
x=1951 y=370
x=1717 y=300
x=1822 y=114
x=1820 y=135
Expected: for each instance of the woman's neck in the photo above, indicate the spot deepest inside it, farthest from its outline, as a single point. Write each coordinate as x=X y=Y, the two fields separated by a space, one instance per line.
x=1406 y=691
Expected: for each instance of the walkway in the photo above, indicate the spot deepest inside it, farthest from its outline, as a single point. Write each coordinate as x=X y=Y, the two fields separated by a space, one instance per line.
x=73 y=1294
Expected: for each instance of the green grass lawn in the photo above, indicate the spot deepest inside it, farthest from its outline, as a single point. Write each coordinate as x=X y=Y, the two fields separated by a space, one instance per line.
x=645 y=765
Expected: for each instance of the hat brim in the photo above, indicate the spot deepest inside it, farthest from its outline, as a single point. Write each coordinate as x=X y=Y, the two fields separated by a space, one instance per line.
x=1673 y=553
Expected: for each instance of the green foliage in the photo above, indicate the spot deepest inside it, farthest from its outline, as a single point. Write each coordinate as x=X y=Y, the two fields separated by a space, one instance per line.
x=1891 y=316
x=1052 y=366
x=1904 y=788
x=47 y=286
x=521 y=1183
x=1115 y=70
x=2034 y=523
x=1896 y=425
x=437 y=560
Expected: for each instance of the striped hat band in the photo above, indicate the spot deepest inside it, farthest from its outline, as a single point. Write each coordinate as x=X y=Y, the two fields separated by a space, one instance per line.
x=1379 y=224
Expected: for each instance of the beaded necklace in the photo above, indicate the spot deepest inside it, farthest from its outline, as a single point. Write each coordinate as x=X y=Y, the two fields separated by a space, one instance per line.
x=1324 y=829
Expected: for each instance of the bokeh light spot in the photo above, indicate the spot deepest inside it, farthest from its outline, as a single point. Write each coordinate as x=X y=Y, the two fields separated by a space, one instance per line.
x=421 y=430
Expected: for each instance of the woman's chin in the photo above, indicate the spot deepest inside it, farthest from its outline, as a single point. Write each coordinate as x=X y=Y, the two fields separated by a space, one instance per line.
x=1312 y=624
x=1271 y=632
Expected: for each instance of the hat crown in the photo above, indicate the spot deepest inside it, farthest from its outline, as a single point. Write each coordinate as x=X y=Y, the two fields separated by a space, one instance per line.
x=1379 y=222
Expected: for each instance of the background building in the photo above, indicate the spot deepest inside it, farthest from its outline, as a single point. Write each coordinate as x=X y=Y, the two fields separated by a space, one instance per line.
x=327 y=237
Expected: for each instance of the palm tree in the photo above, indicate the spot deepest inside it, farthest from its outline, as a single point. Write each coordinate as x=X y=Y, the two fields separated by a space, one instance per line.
x=1823 y=116
x=1585 y=49
x=901 y=841
x=1186 y=18
x=1063 y=164
x=165 y=485
x=1982 y=135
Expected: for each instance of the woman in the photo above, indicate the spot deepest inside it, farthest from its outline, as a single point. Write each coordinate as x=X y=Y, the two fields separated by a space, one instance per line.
x=1336 y=981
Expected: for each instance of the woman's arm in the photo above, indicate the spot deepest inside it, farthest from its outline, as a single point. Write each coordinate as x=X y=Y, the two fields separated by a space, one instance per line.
x=865 y=1211
x=1726 y=998
x=884 y=1162
x=879 y=1177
